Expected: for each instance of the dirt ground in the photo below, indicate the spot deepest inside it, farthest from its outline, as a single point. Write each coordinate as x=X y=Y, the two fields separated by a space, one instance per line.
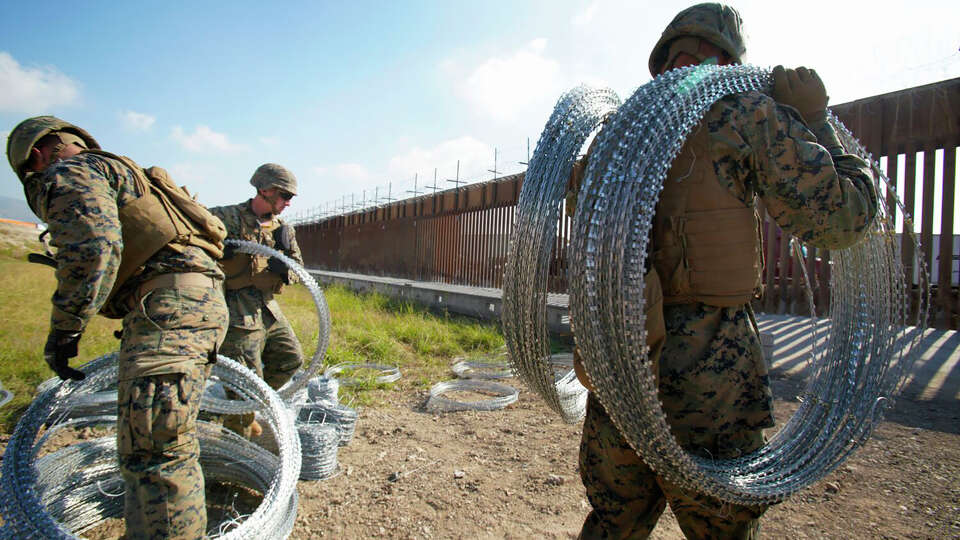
x=512 y=473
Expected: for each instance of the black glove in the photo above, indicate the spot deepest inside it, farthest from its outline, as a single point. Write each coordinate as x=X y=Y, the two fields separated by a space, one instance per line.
x=60 y=348
x=277 y=266
x=283 y=238
x=229 y=251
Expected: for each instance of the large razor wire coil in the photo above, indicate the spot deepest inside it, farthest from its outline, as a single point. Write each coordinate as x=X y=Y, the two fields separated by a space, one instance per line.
x=73 y=489
x=577 y=113
x=295 y=384
x=856 y=368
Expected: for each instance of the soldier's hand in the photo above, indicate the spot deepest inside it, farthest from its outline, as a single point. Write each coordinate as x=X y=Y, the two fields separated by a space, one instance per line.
x=229 y=251
x=803 y=90
x=60 y=348
x=277 y=266
x=283 y=237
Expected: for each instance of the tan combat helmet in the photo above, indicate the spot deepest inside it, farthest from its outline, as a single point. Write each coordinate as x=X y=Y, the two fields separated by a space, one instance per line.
x=719 y=24
x=27 y=133
x=271 y=175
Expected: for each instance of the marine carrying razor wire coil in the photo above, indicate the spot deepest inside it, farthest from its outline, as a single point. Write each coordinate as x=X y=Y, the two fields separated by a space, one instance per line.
x=35 y=500
x=858 y=362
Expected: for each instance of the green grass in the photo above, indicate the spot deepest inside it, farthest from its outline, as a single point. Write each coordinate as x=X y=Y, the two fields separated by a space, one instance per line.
x=371 y=328
x=367 y=328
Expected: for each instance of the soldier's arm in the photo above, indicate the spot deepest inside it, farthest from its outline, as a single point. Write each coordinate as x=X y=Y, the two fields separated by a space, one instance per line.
x=85 y=227
x=826 y=200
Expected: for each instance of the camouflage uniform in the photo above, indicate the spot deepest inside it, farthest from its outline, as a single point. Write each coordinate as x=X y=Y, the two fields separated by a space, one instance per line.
x=259 y=335
x=169 y=335
x=713 y=380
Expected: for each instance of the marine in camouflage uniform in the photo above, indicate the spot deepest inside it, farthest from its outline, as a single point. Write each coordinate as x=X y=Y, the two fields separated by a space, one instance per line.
x=706 y=249
x=166 y=287
x=260 y=335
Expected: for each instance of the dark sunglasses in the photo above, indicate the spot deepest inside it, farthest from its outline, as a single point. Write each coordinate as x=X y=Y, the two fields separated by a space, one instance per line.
x=285 y=195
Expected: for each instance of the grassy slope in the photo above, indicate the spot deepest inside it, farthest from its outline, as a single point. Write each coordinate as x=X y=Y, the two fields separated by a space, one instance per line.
x=366 y=329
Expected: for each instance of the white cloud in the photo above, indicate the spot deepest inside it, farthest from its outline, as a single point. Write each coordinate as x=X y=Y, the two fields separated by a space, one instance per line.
x=352 y=172
x=344 y=177
x=137 y=121
x=475 y=158
x=187 y=173
x=584 y=17
x=205 y=139
x=33 y=89
x=504 y=87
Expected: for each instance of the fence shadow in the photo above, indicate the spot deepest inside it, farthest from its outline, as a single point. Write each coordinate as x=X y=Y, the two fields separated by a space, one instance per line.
x=929 y=396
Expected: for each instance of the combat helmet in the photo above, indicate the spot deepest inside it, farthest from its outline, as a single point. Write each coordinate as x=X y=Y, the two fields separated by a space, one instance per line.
x=27 y=133
x=271 y=175
x=719 y=24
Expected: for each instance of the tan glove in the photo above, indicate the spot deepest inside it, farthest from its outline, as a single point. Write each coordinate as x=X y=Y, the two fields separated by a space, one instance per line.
x=803 y=90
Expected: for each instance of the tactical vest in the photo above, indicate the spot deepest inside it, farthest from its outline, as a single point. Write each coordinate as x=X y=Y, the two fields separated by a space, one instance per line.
x=244 y=270
x=707 y=244
x=163 y=216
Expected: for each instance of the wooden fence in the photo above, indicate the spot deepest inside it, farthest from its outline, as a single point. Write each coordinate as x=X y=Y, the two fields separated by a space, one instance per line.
x=461 y=235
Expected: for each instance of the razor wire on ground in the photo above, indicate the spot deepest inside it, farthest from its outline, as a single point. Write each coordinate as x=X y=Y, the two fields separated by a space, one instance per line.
x=387 y=374
x=855 y=369
x=503 y=395
x=493 y=366
x=69 y=490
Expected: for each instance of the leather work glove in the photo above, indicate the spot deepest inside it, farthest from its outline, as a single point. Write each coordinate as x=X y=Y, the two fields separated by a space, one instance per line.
x=803 y=90
x=60 y=348
x=283 y=238
x=277 y=266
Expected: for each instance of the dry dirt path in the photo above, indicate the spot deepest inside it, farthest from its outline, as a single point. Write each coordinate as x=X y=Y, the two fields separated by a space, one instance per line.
x=513 y=474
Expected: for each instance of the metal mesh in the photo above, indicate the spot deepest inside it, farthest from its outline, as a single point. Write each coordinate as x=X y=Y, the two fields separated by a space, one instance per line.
x=859 y=361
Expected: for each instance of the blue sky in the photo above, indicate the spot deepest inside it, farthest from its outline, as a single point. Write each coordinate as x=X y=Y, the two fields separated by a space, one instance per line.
x=352 y=96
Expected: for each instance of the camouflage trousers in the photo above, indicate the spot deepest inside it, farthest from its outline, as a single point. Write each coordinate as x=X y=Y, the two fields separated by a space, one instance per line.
x=169 y=340
x=272 y=351
x=714 y=388
x=628 y=497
